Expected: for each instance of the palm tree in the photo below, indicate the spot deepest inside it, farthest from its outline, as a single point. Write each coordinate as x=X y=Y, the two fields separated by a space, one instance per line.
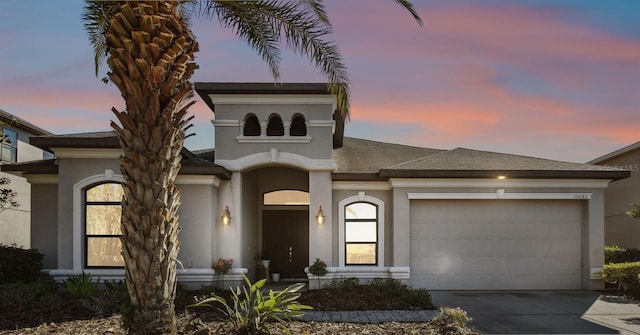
x=150 y=50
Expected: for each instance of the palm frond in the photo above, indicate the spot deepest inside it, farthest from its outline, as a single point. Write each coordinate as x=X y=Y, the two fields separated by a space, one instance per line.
x=244 y=19
x=301 y=23
x=409 y=7
x=317 y=7
x=95 y=18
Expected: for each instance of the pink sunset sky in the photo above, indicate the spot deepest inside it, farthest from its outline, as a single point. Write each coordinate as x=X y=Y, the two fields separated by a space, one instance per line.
x=553 y=79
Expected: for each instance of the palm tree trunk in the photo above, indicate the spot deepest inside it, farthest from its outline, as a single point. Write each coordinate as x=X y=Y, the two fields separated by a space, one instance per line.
x=151 y=52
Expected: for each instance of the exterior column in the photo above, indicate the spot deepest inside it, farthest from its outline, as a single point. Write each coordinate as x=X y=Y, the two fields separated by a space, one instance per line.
x=229 y=237
x=593 y=248
x=287 y=127
x=401 y=229
x=263 y=128
x=320 y=235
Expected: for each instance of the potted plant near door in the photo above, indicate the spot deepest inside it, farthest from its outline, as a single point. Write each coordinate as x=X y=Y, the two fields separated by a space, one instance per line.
x=263 y=259
x=317 y=269
x=275 y=274
x=264 y=262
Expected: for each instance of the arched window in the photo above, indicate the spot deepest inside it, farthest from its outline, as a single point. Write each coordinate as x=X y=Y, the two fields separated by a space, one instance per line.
x=361 y=231
x=286 y=198
x=298 y=126
x=275 y=126
x=102 y=212
x=251 y=126
x=361 y=234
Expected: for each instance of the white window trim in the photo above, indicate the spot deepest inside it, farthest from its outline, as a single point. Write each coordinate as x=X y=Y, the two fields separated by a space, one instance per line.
x=78 y=208
x=361 y=197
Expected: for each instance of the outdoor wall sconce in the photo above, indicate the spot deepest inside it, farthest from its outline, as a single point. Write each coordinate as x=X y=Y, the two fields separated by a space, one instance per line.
x=226 y=216
x=320 y=216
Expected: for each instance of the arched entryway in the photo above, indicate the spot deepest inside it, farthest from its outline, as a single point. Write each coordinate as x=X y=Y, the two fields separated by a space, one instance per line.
x=276 y=219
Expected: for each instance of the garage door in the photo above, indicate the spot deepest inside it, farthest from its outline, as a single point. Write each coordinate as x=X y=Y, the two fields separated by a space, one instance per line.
x=496 y=244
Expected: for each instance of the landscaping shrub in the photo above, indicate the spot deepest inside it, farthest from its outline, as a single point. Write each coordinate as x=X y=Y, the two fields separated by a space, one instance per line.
x=616 y=254
x=383 y=294
x=19 y=265
x=250 y=309
x=624 y=275
x=81 y=286
x=452 y=321
x=392 y=288
x=343 y=284
x=28 y=296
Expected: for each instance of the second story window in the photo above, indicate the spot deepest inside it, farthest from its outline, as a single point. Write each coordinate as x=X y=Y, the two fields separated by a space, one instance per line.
x=9 y=150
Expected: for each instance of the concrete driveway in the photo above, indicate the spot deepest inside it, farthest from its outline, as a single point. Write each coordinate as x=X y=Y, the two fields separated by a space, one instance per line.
x=544 y=312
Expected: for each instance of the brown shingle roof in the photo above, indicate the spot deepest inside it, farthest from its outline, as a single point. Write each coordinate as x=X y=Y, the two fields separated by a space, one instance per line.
x=366 y=156
x=191 y=163
x=371 y=160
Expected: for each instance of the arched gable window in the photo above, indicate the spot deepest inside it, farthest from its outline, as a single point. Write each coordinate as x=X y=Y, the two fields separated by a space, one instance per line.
x=251 y=126
x=102 y=212
x=298 y=126
x=275 y=126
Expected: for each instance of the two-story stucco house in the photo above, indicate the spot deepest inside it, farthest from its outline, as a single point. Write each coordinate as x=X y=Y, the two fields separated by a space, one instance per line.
x=15 y=227
x=283 y=180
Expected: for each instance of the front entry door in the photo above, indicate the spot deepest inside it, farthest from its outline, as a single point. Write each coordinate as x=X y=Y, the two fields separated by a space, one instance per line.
x=285 y=238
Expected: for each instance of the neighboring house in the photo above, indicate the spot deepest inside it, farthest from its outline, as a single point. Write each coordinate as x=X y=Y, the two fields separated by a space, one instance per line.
x=619 y=228
x=15 y=228
x=283 y=180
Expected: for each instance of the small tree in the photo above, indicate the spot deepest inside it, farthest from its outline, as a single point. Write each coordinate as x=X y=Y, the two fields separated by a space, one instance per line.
x=7 y=195
x=635 y=212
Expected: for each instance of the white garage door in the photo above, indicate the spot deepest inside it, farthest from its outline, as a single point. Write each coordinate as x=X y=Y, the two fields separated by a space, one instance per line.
x=496 y=244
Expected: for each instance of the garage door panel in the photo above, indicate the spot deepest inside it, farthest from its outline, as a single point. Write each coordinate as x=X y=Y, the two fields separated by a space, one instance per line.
x=503 y=244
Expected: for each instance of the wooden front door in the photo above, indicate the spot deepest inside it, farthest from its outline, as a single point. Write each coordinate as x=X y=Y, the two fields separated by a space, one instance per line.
x=285 y=238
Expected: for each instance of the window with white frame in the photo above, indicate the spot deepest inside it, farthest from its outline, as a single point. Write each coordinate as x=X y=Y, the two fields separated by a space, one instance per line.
x=102 y=213
x=361 y=231
x=361 y=234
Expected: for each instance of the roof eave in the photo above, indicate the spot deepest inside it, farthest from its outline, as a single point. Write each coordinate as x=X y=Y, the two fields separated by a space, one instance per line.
x=217 y=171
x=46 y=142
x=528 y=174
x=48 y=166
x=615 y=154
x=340 y=176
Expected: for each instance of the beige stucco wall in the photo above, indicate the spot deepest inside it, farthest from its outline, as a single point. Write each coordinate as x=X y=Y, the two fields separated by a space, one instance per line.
x=197 y=221
x=44 y=222
x=15 y=222
x=621 y=229
x=250 y=221
x=228 y=148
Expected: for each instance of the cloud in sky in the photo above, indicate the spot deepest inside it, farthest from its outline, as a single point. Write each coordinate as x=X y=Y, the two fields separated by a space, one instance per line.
x=555 y=79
